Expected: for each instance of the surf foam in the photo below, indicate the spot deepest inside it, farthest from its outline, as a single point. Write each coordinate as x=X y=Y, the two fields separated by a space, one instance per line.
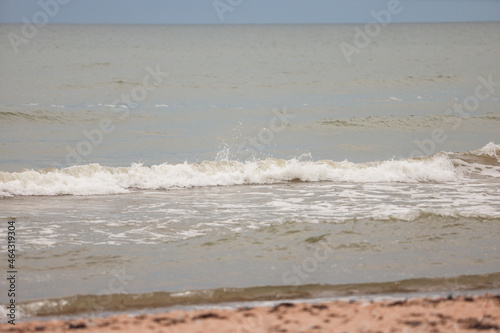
x=94 y=179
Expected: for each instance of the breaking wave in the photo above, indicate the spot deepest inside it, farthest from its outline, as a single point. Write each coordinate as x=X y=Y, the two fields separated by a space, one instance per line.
x=93 y=179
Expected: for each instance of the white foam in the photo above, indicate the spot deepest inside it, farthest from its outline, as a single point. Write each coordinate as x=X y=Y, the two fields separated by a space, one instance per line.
x=491 y=150
x=94 y=179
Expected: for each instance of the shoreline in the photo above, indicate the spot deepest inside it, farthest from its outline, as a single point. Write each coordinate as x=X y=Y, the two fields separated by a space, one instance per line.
x=457 y=314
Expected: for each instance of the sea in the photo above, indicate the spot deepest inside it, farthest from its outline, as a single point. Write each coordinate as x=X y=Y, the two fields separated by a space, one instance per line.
x=152 y=167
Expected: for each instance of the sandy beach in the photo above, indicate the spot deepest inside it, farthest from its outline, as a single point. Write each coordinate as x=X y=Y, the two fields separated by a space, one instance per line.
x=461 y=314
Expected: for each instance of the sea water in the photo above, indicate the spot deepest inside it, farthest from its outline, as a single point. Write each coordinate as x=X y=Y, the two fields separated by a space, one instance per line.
x=156 y=166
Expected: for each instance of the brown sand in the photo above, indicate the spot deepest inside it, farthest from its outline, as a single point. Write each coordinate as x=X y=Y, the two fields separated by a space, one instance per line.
x=462 y=314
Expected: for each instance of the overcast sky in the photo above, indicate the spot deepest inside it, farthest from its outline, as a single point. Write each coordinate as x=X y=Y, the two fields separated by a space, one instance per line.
x=241 y=11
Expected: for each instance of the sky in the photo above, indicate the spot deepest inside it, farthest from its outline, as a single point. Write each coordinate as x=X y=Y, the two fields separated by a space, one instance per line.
x=243 y=11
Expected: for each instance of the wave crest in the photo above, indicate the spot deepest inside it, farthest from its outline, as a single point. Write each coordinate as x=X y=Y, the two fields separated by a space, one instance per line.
x=93 y=179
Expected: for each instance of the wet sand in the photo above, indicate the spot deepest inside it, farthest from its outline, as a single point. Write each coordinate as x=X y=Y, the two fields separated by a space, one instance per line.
x=461 y=314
